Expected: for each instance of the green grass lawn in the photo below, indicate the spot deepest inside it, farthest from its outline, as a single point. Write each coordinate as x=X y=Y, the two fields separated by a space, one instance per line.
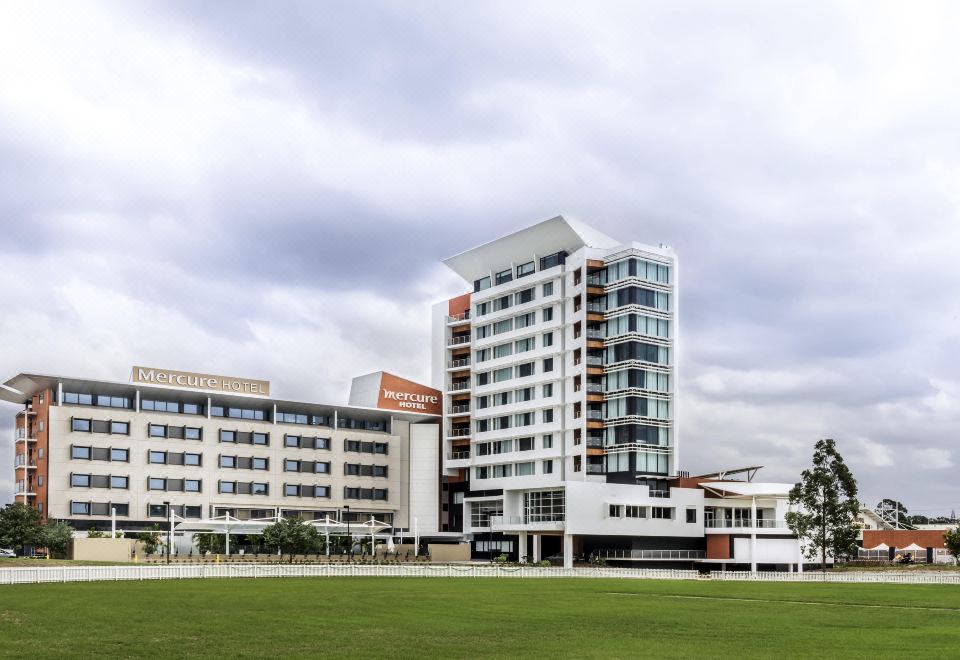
x=483 y=617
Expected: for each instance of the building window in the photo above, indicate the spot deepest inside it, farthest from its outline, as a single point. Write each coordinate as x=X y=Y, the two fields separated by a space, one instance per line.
x=547 y=314
x=157 y=430
x=191 y=485
x=122 y=455
x=228 y=436
x=691 y=515
x=615 y=511
x=260 y=463
x=228 y=461
x=524 y=370
x=524 y=296
x=547 y=365
x=80 y=425
x=547 y=339
x=548 y=415
x=548 y=441
x=257 y=488
x=632 y=511
x=503 y=277
x=228 y=486
x=481 y=284
x=80 y=508
x=548 y=390
x=547 y=289
x=661 y=513
x=291 y=490
x=154 y=483
x=122 y=428
x=321 y=491
x=548 y=466
x=157 y=457
x=524 y=469
x=261 y=439
x=192 y=459
x=80 y=480
x=80 y=453
x=525 y=269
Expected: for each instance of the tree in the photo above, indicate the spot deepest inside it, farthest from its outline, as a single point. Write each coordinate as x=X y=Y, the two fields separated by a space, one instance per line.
x=56 y=537
x=951 y=541
x=19 y=526
x=828 y=506
x=292 y=536
x=214 y=543
x=150 y=539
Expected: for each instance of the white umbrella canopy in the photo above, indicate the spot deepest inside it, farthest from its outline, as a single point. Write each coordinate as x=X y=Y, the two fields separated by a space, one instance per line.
x=913 y=547
x=882 y=546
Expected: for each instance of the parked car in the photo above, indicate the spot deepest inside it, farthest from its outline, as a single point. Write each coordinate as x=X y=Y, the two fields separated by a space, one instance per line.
x=7 y=553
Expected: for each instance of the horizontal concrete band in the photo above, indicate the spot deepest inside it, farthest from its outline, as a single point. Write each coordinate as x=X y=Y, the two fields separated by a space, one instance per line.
x=31 y=575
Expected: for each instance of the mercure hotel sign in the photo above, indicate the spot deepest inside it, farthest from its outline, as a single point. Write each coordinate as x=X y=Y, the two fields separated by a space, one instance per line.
x=201 y=382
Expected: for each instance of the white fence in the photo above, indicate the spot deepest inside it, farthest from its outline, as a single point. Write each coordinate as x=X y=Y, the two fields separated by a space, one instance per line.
x=30 y=575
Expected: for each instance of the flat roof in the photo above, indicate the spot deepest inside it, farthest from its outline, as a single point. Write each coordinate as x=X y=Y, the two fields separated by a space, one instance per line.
x=23 y=386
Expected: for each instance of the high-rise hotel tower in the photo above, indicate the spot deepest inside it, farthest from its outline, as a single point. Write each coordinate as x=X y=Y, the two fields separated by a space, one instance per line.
x=557 y=367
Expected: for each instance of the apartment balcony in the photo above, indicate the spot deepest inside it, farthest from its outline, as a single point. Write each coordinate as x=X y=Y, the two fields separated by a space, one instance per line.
x=594 y=361
x=593 y=468
x=594 y=280
x=458 y=364
x=720 y=526
x=595 y=334
x=649 y=555
x=458 y=433
x=20 y=435
x=459 y=341
x=595 y=414
x=664 y=494
x=595 y=308
x=594 y=388
x=594 y=442
x=456 y=319
x=526 y=523
x=21 y=461
x=462 y=409
x=456 y=387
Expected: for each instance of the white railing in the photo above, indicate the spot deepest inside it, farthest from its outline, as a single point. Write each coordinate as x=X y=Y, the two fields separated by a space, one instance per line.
x=660 y=493
x=458 y=455
x=31 y=575
x=639 y=555
x=463 y=362
x=458 y=433
x=745 y=523
x=458 y=386
x=459 y=340
x=456 y=410
x=462 y=316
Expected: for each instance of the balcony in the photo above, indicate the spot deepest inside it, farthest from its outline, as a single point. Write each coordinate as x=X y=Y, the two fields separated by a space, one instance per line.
x=456 y=341
x=595 y=334
x=21 y=461
x=462 y=362
x=462 y=409
x=522 y=523
x=595 y=307
x=20 y=435
x=660 y=493
x=594 y=280
x=593 y=468
x=649 y=555
x=460 y=385
x=458 y=318
x=595 y=442
x=594 y=414
x=594 y=388
x=744 y=523
x=458 y=433
x=594 y=361
x=458 y=455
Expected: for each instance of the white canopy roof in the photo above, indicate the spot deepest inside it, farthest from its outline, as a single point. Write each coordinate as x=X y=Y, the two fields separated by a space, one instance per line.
x=913 y=547
x=225 y=525
x=882 y=546
x=747 y=488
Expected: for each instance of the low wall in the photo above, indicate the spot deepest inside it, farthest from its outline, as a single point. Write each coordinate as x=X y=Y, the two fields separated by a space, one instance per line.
x=444 y=552
x=103 y=549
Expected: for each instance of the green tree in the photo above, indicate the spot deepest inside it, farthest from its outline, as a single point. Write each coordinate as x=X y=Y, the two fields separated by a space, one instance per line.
x=214 y=543
x=292 y=536
x=56 y=537
x=150 y=539
x=19 y=526
x=828 y=506
x=951 y=541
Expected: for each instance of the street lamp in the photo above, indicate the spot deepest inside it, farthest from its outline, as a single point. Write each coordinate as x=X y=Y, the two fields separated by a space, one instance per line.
x=170 y=537
x=346 y=508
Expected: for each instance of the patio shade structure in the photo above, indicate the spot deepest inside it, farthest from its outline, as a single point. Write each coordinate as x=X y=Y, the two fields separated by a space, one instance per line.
x=226 y=525
x=326 y=524
x=374 y=526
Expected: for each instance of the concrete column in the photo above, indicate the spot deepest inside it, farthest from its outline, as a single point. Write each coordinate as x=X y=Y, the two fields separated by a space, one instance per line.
x=522 y=546
x=536 y=548
x=568 y=550
x=753 y=535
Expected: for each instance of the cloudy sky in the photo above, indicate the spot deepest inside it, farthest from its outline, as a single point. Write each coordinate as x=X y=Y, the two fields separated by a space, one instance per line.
x=265 y=189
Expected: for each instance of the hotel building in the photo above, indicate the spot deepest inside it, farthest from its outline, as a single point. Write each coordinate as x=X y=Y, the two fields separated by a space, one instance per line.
x=209 y=446
x=558 y=370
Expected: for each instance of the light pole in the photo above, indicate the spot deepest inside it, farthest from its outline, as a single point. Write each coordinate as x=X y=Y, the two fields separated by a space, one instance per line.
x=170 y=537
x=346 y=508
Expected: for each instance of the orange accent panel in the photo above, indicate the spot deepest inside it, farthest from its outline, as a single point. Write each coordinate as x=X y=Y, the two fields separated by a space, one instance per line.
x=458 y=305
x=901 y=538
x=407 y=396
x=718 y=546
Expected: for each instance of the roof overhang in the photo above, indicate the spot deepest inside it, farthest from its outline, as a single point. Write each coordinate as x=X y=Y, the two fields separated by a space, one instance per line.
x=745 y=489
x=542 y=239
